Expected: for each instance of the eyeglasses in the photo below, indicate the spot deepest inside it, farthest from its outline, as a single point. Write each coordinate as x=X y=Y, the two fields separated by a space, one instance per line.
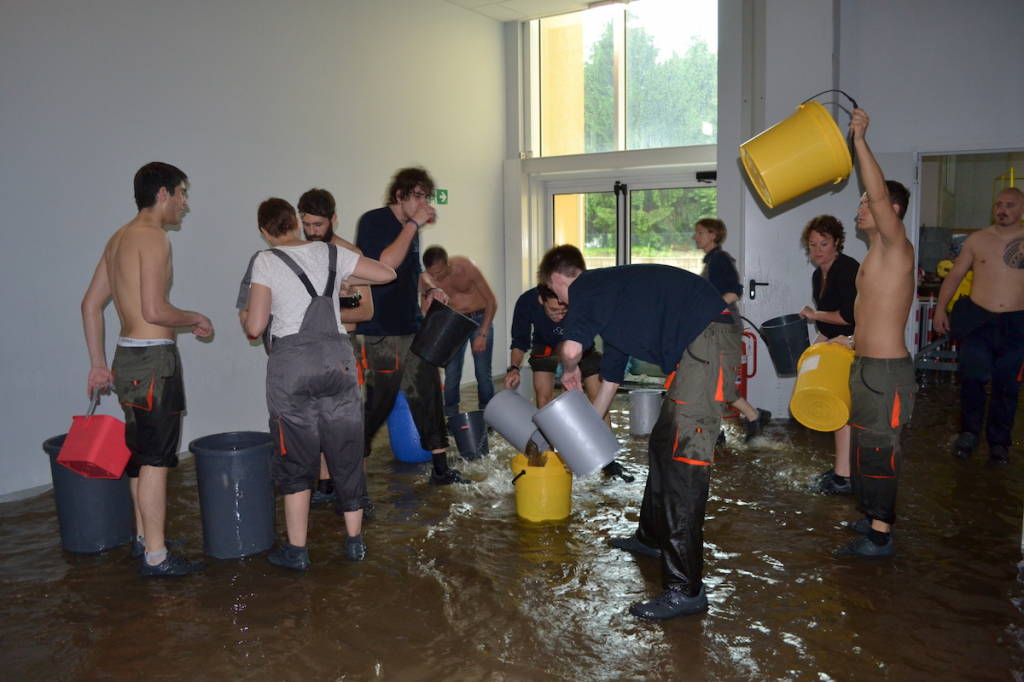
x=420 y=195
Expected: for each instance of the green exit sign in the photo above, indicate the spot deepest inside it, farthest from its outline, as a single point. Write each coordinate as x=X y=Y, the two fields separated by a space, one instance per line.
x=440 y=196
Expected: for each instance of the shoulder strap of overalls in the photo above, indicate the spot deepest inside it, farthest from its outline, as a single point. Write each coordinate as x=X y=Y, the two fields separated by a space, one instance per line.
x=332 y=264
x=297 y=270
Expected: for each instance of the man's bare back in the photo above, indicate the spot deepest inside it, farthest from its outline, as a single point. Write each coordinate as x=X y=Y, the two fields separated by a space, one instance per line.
x=128 y=248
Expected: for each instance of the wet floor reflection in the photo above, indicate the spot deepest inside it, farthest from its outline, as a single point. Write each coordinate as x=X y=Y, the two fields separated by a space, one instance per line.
x=456 y=587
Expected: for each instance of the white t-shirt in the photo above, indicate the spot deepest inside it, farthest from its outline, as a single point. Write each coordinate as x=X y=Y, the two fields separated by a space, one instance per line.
x=288 y=297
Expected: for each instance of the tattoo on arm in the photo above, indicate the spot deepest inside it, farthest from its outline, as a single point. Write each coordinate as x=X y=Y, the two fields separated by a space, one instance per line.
x=1013 y=255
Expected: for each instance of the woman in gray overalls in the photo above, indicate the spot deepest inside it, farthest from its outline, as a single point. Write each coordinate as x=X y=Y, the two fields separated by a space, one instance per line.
x=312 y=388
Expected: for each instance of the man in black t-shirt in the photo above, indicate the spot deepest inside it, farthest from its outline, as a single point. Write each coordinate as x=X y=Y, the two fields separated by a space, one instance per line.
x=390 y=234
x=677 y=320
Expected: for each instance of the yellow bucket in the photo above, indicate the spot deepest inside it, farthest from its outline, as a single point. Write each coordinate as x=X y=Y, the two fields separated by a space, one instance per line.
x=796 y=155
x=542 y=493
x=821 y=395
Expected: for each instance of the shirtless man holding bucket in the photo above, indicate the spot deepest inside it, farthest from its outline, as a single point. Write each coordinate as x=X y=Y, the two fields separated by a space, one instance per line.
x=882 y=381
x=135 y=270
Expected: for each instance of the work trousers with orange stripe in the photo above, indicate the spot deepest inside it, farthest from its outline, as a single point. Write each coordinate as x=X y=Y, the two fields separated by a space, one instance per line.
x=680 y=451
x=882 y=395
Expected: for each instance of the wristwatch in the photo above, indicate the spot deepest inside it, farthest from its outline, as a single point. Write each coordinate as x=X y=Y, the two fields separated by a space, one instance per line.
x=512 y=367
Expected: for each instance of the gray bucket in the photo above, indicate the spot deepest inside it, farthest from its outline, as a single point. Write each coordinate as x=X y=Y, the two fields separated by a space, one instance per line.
x=644 y=408
x=95 y=514
x=236 y=495
x=787 y=337
x=581 y=438
x=470 y=433
x=511 y=415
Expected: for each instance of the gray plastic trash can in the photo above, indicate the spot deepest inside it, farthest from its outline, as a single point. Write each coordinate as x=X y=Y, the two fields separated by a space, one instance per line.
x=95 y=514
x=236 y=494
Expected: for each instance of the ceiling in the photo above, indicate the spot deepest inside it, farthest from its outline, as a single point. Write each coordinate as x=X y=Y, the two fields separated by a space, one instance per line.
x=521 y=10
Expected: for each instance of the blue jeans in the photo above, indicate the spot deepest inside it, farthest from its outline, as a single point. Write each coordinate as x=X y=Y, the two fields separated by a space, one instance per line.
x=481 y=365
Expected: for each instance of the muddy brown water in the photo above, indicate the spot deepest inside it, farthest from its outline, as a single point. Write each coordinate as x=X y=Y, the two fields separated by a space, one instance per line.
x=455 y=587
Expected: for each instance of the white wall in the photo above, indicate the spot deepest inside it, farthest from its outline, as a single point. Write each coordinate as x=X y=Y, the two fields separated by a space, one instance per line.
x=251 y=98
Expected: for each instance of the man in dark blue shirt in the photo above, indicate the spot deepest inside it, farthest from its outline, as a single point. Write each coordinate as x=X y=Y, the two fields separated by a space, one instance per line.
x=390 y=234
x=678 y=321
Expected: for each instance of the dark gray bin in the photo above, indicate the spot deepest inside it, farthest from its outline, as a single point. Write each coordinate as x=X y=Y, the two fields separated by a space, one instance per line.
x=470 y=433
x=95 y=514
x=236 y=494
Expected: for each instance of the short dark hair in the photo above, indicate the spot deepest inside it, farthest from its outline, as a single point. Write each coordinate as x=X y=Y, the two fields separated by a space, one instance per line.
x=277 y=217
x=824 y=224
x=406 y=180
x=899 y=195
x=151 y=177
x=545 y=292
x=715 y=227
x=565 y=259
x=318 y=202
x=434 y=254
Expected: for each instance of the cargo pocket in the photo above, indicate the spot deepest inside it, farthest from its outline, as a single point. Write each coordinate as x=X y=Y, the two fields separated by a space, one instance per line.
x=876 y=455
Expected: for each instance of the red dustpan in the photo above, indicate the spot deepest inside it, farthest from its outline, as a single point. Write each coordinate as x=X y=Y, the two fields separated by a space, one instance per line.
x=95 y=445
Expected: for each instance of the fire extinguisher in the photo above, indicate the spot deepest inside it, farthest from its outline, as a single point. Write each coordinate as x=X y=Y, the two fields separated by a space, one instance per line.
x=743 y=372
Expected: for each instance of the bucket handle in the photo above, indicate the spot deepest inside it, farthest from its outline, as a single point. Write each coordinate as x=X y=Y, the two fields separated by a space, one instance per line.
x=518 y=476
x=852 y=100
x=94 y=400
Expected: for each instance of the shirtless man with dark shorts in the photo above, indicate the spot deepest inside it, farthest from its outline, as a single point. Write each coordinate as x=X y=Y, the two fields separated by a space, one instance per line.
x=135 y=271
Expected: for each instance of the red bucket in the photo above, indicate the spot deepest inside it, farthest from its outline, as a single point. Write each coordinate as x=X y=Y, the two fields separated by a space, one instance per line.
x=95 y=446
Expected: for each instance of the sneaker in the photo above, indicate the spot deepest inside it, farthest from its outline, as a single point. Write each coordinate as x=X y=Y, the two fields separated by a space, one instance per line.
x=290 y=556
x=355 y=548
x=670 y=604
x=631 y=543
x=756 y=426
x=614 y=469
x=448 y=477
x=863 y=547
x=173 y=565
x=139 y=547
x=861 y=526
x=320 y=499
x=998 y=454
x=830 y=483
x=965 y=444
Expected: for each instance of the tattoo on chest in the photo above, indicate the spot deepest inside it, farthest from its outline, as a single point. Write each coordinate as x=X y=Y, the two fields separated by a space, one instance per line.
x=1013 y=255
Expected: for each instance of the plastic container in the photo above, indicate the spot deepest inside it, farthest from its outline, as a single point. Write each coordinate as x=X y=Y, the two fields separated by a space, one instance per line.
x=511 y=415
x=470 y=433
x=582 y=439
x=542 y=493
x=404 y=436
x=94 y=514
x=236 y=493
x=644 y=409
x=821 y=395
x=786 y=337
x=443 y=332
x=95 y=445
x=796 y=155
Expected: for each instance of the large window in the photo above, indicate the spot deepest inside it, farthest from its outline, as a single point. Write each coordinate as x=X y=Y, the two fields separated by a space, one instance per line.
x=639 y=77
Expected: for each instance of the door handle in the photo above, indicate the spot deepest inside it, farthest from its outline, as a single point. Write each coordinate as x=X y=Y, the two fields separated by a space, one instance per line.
x=754 y=284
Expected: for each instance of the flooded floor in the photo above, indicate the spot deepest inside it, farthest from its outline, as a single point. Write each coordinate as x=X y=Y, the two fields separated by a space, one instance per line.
x=455 y=587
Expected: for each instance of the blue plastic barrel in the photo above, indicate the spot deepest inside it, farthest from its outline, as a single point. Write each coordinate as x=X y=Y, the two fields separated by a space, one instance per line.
x=236 y=493
x=405 y=437
x=95 y=514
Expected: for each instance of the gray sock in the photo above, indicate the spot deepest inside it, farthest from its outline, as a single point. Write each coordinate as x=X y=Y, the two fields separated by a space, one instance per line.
x=157 y=557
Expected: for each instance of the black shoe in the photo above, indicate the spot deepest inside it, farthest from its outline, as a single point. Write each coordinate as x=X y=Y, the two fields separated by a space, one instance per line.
x=447 y=477
x=756 y=426
x=720 y=441
x=670 y=604
x=830 y=483
x=861 y=526
x=320 y=499
x=355 y=548
x=173 y=565
x=965 y=444
x=631 y=543
x=863 y=547
x=998 y=454
x=614 y=469
x=290 y=556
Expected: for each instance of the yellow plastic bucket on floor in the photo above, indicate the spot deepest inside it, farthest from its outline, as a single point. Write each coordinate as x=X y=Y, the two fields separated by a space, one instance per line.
x=821 y=395
x=796 y=155
x=542 y=493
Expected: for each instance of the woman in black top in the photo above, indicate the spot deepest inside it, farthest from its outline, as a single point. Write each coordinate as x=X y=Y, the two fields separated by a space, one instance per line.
x=720 y=270
x=834 y=289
